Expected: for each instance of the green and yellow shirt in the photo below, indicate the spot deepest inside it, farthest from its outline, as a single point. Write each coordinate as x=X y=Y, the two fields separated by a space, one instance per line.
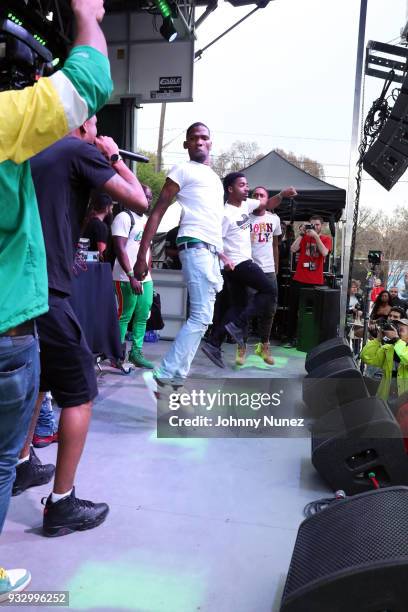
x=31 y=120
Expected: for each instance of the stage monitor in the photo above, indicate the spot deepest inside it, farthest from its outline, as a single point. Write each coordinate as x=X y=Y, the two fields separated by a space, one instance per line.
x=387 y=158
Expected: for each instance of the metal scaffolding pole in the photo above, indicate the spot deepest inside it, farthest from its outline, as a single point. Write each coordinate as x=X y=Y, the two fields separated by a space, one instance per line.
x=348 y=227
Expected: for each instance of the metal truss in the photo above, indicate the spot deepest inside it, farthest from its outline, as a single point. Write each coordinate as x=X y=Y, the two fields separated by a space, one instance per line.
x=59 y=32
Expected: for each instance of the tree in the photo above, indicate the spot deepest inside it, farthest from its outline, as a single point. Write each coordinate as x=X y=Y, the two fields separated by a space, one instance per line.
x=303 y=162
x=243 y=154
x=146 y=173
x=239 y=156
x=388 y=233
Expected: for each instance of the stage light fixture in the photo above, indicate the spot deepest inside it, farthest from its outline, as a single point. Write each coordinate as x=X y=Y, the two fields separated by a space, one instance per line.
x=167 y=30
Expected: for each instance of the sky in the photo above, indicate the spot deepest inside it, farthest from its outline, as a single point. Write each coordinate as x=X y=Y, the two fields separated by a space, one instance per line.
x=284 y=79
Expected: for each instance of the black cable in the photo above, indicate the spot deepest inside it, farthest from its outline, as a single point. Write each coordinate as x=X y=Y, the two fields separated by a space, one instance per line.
x=373 y=124
x=318 y=505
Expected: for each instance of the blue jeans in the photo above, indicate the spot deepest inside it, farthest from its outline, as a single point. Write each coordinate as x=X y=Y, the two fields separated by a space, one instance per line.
x=46 y=425
x=201 y=271
x=19 y=381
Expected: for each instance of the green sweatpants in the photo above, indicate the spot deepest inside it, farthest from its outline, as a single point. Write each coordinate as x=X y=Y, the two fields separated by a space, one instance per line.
x=131 y=304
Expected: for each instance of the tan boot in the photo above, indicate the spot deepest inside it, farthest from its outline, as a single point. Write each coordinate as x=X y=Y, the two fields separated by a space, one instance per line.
x=262 y=350
x=240 y=354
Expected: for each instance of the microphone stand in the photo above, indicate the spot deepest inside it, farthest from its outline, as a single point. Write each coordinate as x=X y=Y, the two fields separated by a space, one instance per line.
x=366 y=315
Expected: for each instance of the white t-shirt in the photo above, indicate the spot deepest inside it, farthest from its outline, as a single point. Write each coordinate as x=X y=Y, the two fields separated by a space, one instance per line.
x=201 y=197
x=263 y=229
x=121 y=227
x=236 y=230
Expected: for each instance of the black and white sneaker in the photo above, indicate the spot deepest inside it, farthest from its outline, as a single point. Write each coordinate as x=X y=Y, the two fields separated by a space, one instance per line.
x=32 y=473
x=213 y=353
x=71 y=514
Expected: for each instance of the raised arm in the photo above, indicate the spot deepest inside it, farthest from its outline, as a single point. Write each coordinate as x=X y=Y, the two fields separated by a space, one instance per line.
x=323 y=250
x=33 y=118
x=123 y=186
x=88 y=30
x=166 y=197
x=274 y=201
x=295 y=246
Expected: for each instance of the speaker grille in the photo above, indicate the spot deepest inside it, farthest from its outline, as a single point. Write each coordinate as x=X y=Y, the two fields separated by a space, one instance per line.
x=368 y=528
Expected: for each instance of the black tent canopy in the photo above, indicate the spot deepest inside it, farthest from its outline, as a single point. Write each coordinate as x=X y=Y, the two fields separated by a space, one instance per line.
x=274 y=173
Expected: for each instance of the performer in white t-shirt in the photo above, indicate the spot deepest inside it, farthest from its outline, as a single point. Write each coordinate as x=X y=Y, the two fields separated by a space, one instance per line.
x=245 y=273
x=199 y=241
x=134 y=297
x=265 y=231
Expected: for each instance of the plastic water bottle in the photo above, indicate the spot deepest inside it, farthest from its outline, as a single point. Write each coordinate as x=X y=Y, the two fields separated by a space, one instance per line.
x=151 y=336
x=82 y=248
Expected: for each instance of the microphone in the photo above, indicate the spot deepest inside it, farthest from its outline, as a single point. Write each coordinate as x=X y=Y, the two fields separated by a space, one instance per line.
x=134 y=156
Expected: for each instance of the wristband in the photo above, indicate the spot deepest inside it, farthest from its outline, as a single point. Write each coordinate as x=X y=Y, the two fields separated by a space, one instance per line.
x=130 y=274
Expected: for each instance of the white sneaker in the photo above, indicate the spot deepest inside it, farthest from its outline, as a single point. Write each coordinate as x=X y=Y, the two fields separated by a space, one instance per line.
x=13 y=581
x=160 y=391
x=151 y=384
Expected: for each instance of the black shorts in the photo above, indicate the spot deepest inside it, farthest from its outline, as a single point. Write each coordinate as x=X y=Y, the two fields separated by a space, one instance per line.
x=67 y=364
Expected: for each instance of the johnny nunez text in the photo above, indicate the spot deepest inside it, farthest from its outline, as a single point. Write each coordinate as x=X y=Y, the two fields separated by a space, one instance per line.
x=230 y=421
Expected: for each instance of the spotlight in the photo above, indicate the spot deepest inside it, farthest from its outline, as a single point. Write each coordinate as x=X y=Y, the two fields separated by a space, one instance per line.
x=167 y=30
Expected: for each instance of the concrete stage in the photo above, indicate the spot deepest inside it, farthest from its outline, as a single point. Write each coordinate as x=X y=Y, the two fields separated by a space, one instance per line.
x=203 y=525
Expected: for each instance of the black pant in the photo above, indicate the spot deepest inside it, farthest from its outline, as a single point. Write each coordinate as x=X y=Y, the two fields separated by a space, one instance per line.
x=246 y=274
x=295 y=288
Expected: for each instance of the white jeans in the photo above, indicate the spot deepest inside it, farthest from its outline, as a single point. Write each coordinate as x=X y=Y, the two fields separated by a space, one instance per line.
x=201 y=271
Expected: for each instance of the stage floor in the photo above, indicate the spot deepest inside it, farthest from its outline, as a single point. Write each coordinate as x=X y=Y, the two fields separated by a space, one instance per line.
x=203 y=525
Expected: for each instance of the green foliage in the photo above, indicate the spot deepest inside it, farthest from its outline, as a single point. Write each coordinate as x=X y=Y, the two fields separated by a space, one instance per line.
x=146 y=173
x=240 y=155
x=303 y=162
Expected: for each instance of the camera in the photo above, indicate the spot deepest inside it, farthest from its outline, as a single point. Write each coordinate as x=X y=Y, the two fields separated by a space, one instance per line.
x=375 y=257
x=308 y=226
x=384 y=325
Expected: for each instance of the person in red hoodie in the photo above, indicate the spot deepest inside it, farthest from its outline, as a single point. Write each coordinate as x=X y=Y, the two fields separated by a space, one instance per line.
x=376 y=290
x=313 y=248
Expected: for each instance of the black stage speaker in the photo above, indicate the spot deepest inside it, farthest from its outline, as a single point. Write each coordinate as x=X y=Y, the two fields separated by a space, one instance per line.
x=328 y=312
x=319 y=313
x=280 y=321
x=352 y=557
x=359 y=438
x=327 y=351
x=387 y=159
x=333 y=384
x=308 y=332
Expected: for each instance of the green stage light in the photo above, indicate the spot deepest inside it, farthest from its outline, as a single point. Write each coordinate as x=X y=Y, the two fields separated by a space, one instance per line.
x=167 y=29
x=18 y=22
x=15 y=19
x=164 y=8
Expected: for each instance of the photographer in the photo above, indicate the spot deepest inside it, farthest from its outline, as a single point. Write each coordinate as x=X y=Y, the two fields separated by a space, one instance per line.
x=389 y=351
x=313 y=247
x=31 y=119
